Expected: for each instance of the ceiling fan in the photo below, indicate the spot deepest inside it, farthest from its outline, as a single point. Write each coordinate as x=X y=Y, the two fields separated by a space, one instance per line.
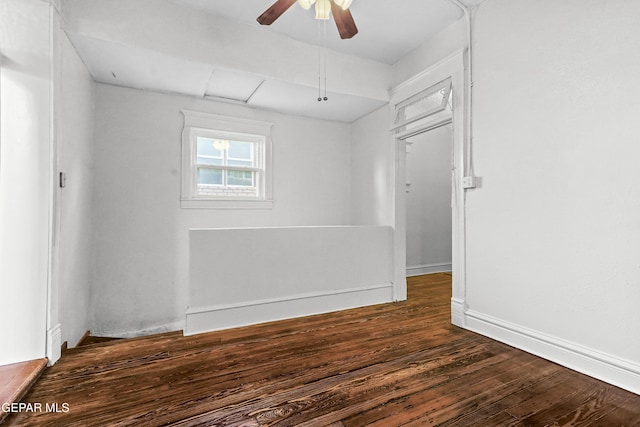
x=338 y=8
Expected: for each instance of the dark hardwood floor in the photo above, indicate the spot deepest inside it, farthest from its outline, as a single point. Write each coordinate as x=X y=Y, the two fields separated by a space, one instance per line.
x=387 y=365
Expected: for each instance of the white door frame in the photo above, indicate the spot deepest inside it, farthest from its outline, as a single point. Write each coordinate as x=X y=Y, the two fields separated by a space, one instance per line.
x=451 y=67
x=53 y=349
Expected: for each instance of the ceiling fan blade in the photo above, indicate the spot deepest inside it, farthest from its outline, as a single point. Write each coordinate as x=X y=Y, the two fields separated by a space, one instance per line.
x=274 y=12
x=344 y=21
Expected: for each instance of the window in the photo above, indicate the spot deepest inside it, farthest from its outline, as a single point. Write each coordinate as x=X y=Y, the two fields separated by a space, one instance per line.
x=424 y=107
x=227 y=167
x=226 y=162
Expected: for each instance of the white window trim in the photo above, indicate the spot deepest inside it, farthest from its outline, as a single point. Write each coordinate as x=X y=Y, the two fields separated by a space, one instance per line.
x=195 y=121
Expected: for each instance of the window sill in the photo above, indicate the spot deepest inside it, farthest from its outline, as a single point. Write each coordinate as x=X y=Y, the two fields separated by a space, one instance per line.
x=225 y=204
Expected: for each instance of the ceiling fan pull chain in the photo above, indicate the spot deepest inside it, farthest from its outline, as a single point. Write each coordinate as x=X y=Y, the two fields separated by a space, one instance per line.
x=319 y=66
x=319 y=79
x=324 y=39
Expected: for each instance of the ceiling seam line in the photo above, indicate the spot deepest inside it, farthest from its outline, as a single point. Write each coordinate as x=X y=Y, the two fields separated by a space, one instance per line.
x=254 y=91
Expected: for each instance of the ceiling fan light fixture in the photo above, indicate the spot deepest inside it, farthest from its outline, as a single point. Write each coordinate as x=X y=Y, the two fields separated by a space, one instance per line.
x=306 y=4
x=323 y=7
x=344 y=4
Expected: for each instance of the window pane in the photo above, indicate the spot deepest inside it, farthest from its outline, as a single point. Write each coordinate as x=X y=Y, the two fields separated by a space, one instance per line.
x=240 y=150
x=426 y=104
x=207 y=153
x=423 y=104
x=209 y=177
x=240 y=178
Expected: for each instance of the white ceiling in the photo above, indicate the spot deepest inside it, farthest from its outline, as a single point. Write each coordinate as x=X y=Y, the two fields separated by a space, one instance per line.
x=388 y=30
x=129 y=66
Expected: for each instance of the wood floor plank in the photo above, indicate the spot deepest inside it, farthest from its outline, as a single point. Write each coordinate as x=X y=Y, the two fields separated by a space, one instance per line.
x=625 y=412
x=321 y=390
x=464 y=393
x=386 y=365
x=582 y=407
x=496 y=408
x=16 y=379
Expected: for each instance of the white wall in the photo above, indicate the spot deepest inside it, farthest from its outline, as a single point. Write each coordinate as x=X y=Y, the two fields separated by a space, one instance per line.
x=285 y=272
x=75 y=158
x=25 y=180
x=443 y=44
x=141 y=234
x=553 y=234
x=372 y=162
x=429 y=201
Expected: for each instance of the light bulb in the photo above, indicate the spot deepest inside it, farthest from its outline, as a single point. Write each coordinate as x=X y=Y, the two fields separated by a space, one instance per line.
x=221 y=144
x=323 y=7
x=306 y=4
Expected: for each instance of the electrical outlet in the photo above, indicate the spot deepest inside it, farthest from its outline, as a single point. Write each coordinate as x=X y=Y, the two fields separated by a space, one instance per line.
x=469 y=182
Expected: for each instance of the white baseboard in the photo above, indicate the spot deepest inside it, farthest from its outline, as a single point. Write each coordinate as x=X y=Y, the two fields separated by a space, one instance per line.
x=457 y=312
x=419 y=270
x=611 y=369
x=150 y=330
x=54 y=344
x=214 y=318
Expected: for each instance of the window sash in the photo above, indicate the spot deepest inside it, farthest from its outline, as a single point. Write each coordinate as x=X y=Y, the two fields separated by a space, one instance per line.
x=226 y=158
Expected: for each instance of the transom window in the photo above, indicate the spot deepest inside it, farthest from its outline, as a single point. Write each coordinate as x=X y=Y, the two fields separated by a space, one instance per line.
x=223 y=167
x=424 y=107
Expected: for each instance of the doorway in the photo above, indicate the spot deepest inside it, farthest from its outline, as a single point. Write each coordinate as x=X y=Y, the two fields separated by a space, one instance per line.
x=428 y=194
x=416 y=114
